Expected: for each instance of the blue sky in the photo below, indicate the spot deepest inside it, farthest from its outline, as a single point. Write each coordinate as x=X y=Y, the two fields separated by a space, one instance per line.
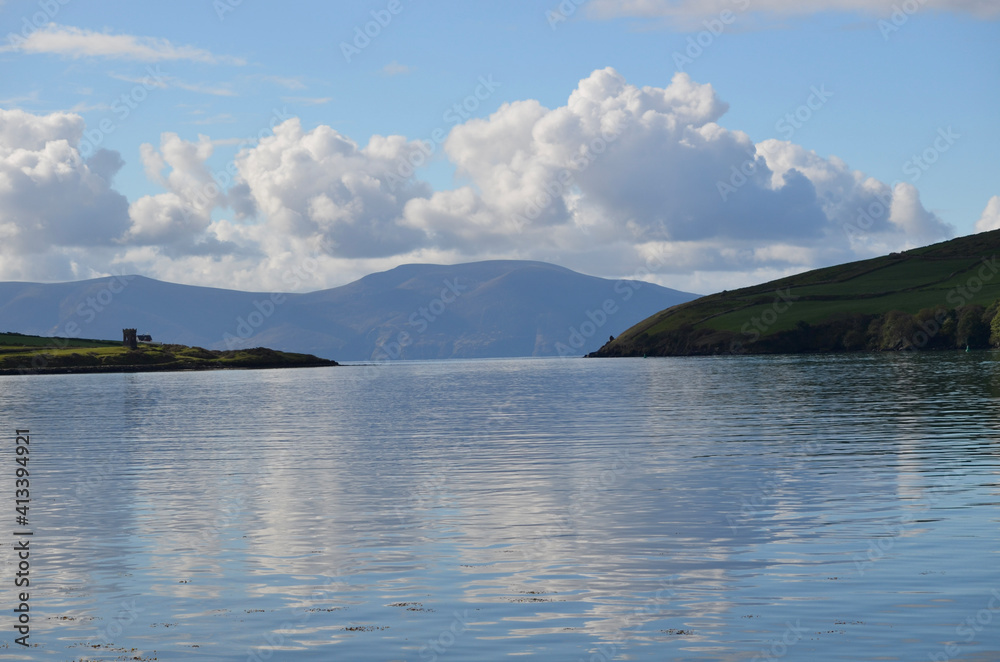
x=886 y=82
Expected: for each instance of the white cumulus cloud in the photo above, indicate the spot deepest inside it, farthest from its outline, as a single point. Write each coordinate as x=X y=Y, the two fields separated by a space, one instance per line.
x=621 y=167
x=321 y=185
x=990 y=220
x=49 y=195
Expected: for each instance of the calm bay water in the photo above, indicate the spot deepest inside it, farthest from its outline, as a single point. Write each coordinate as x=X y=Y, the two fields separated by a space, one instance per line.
x=795 y=508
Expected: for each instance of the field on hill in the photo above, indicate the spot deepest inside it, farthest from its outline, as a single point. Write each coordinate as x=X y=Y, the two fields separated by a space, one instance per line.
x=912 y=300
x=11 y=340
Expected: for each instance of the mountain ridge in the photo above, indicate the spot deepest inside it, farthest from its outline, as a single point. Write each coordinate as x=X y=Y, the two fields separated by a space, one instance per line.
x=496 y=308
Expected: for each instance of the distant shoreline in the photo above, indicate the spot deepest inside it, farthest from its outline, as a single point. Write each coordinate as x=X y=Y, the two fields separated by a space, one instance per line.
x=22 y=354
x=67 y=370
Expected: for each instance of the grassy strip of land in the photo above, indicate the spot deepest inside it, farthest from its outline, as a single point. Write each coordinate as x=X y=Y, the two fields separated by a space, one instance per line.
x=936 y=297
x=22 y=354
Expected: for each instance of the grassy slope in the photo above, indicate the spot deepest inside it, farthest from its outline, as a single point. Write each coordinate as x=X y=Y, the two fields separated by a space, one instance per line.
x=15 y=340
x=910 y=281
x=20 y=353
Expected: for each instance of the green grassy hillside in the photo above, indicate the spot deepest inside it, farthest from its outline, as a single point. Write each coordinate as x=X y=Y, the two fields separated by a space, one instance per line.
x=945 y=292
x=22 y=354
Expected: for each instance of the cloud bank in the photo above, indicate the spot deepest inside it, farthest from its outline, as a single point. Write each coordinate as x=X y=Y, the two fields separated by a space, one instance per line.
x=618 y=181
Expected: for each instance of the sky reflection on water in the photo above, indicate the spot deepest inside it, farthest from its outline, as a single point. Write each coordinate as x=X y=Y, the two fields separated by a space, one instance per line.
x=835 y=508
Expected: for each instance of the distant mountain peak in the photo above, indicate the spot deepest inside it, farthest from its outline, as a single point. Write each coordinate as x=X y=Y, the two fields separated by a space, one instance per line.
x=495 y=308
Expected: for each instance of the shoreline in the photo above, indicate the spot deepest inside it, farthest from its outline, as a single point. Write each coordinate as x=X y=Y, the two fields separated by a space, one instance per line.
x=66 y=370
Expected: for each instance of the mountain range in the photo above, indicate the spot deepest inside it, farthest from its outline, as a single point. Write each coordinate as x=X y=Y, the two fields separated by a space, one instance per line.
x=501 y=308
